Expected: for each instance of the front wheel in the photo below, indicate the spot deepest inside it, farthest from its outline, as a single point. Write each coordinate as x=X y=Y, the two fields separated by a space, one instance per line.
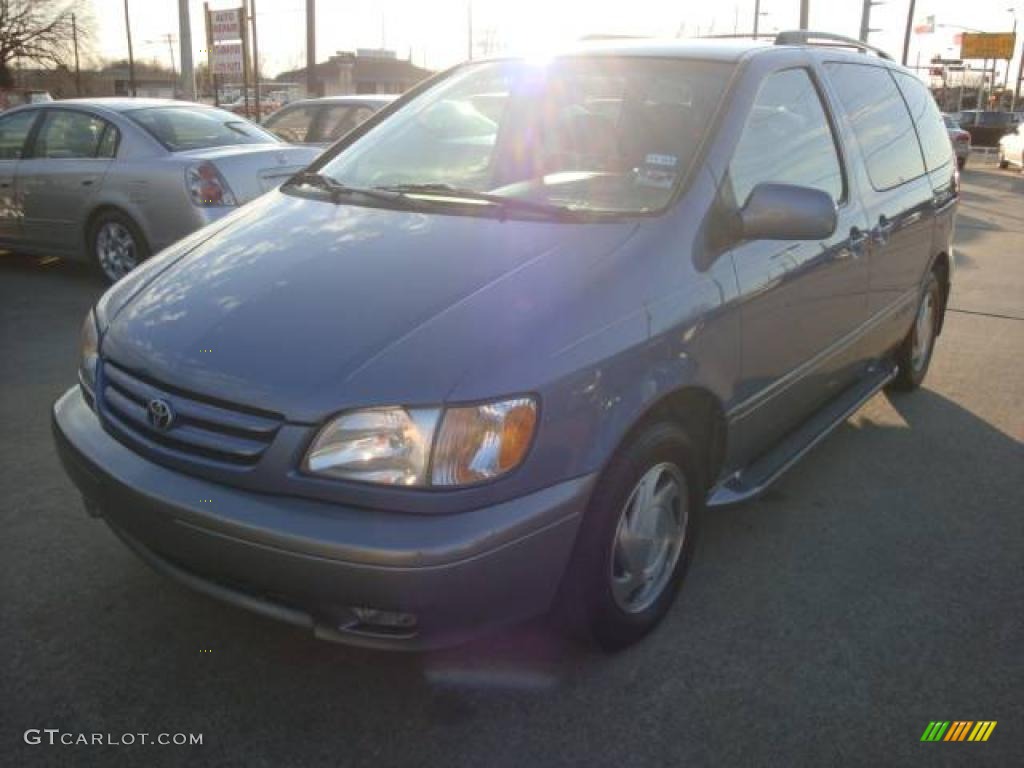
x=116 y=244
x=915 y=352
x=636 y=539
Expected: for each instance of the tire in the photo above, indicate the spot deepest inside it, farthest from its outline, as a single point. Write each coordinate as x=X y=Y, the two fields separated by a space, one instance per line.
x=912 y=358
x=1003 y=162
x=116 y=245
x=961 y=162
x=601 y=603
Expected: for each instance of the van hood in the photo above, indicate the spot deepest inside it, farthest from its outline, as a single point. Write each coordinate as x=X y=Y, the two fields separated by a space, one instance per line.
x=282 y=307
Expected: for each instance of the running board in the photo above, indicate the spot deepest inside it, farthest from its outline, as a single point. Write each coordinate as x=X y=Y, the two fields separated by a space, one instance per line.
x=753 y=479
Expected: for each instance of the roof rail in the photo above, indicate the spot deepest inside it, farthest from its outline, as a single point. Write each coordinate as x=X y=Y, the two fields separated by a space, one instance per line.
x=807 y=37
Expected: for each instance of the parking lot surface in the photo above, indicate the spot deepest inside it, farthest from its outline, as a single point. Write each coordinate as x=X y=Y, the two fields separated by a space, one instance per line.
x=879 y=586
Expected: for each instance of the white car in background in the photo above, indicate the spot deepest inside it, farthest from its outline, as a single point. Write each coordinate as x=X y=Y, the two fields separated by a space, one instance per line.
x=1011 y=148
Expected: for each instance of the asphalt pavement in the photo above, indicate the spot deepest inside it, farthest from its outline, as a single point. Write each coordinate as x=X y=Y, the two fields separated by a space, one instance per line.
x=879 y=586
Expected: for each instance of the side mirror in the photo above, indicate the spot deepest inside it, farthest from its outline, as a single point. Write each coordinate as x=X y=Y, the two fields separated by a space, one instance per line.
x=787 y=212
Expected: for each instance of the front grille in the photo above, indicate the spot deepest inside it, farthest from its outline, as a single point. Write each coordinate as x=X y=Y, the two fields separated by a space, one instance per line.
x=201 y=427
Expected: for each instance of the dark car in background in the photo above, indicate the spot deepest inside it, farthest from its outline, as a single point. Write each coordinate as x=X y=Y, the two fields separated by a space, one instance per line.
x=987 y=127
x=321 y=122
x=398 y=404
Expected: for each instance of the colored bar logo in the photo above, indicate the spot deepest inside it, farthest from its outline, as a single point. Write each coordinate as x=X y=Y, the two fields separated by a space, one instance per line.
x=958 y=730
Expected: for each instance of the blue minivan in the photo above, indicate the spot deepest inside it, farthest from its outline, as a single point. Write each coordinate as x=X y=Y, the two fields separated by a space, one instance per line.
x=496 y=351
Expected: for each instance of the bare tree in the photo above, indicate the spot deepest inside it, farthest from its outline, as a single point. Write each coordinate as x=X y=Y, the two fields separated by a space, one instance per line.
x=39 y=32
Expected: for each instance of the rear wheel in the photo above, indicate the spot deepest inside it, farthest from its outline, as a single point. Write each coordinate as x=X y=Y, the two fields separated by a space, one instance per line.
x=636 y=539
x=915 y=352
x=1003 y=162
x=961 y=162
x=116 y=244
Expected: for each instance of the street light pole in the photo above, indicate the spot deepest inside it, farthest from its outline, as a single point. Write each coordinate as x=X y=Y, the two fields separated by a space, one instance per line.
x=805 y=13
x=757 y=16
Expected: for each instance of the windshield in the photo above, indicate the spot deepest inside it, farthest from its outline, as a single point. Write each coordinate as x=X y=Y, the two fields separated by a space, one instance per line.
x=588 y=133
x=183 y=128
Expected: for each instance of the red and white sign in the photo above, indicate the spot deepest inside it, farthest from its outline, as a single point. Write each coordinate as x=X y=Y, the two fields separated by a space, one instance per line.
x=227 y=59
x=226 y=25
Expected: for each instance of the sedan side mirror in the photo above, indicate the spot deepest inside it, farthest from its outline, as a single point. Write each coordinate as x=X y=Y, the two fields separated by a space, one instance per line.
x=787 y=212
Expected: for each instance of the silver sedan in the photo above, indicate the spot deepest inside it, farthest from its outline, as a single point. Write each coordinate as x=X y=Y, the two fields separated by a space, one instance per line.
x=114 y=180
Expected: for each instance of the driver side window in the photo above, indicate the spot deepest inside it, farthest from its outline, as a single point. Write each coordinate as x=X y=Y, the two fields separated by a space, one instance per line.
x=787 y=139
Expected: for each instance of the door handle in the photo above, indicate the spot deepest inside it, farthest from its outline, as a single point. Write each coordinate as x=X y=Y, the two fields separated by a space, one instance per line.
x=883 y=231
x=87 y=182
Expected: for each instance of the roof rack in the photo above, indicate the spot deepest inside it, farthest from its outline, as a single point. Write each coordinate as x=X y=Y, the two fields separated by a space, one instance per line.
x=807 y=37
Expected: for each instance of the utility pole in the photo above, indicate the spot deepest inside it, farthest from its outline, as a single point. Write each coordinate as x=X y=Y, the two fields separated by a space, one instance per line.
x=170 y=50
x=1020 y=78
x=78 y=72
x=255 y=59
x=757 y=16
x=805 y=12
x=312 y=89
x=187 y=84
x=131 y=55
x=906 y=32
x=469 y=29
x=865 y=19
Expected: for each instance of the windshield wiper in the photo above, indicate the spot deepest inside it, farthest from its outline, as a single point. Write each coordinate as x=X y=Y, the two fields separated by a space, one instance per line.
x=338 y=190
x=506 y=203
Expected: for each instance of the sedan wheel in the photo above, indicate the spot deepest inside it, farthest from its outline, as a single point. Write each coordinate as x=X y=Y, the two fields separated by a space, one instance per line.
x=117 y=250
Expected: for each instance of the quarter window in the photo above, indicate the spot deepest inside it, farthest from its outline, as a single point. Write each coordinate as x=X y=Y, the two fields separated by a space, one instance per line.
x=787 y=139
x=880 y=122
x=928 y=120
x=68 y=135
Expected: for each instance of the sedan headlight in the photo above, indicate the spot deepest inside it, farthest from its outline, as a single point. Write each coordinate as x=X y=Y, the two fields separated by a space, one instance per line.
x=425 y=446
x=88 y=354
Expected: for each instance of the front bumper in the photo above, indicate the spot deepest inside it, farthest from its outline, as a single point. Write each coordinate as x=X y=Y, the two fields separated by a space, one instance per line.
x=310 y=563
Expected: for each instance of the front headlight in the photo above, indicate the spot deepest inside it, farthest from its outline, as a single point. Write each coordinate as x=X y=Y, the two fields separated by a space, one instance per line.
x=88 y=354
x=422 y=446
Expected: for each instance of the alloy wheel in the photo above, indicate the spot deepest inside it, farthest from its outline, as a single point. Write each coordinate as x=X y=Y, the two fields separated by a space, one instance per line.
x=116 y=250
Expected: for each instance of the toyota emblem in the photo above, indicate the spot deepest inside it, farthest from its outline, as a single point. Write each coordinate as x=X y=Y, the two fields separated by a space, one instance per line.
x=160 y=414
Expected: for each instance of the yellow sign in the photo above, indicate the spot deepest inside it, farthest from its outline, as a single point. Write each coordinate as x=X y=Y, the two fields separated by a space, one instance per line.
x=987 y=45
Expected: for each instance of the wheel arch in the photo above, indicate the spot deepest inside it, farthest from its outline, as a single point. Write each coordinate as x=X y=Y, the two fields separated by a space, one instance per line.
x=941 y=267
x=106 y=207
x=699 y=412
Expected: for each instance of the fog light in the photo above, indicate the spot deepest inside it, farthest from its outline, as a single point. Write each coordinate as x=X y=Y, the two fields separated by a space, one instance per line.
x=388 y=619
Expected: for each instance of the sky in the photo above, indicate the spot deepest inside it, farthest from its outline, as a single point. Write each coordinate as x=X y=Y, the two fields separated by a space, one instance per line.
x=434 y=32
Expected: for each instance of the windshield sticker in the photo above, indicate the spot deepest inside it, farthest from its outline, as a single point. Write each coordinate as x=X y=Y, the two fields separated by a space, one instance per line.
x=665 y=161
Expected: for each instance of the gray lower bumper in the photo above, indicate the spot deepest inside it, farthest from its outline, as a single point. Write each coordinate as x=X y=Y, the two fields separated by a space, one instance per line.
x=310 y=563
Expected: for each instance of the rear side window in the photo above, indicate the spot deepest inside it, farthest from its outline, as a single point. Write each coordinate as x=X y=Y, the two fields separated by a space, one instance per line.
x=787 y=139
x=930 y=127
x=67 y=135
x=292 y=123
x=338 y=119
x=13 y=132
x=880 y=122
x=181 y=128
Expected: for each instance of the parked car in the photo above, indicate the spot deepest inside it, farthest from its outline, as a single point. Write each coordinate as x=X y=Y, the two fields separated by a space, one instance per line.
x=1011 y=148
x=403 y=404
x=986 y=127
x=321 y=122
x=959 y=138
x=114 y=180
